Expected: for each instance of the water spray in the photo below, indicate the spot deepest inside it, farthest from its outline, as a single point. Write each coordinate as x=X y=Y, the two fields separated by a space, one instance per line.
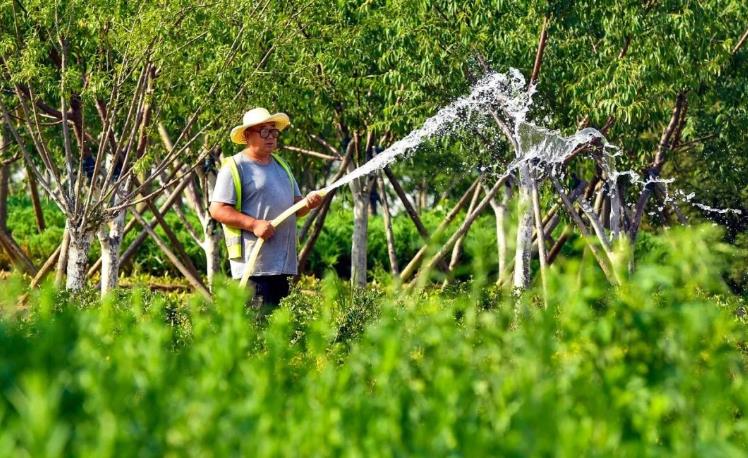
x=540 y=148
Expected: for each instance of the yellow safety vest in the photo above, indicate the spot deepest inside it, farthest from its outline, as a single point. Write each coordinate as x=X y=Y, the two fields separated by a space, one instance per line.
x=233 y=235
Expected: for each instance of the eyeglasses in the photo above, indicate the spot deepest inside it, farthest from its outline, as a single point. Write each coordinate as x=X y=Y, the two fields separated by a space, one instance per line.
x=266 y=132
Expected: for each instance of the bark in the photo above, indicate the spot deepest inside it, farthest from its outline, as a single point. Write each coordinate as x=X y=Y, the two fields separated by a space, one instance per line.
x=319 y=215
x=211 y=245
x=556 y=248
x=77 y=263
x=16 y=254
x=539 y=54
x=319 y=222
x=522 y=254
x=175 y=244
x=315 y=154
x=359 y=240
x=198 y=194
x=317 y=212
x=409 y=209
x=110 y=239
x=740 y=42
x=499 y=209
x=133 y=247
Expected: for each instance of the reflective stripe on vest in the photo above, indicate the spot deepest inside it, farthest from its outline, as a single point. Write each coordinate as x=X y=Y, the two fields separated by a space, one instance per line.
x=232 y=235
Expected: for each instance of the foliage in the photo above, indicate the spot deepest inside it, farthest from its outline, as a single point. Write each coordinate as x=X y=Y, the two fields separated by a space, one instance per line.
x=655 y=367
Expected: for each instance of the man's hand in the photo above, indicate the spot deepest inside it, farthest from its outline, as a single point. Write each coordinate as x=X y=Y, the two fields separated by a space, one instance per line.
x=313 y=200
x=262 y=229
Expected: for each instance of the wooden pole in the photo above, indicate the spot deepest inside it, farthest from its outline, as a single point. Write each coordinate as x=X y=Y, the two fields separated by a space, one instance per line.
x=541 y=238
x=391 y=253
x=602 y=259
x=409 y=209
x=173 y=258
x=62 y=259
x=462 y=230
x=457 y=248
x=415 y=262
x=132 y=248
x=35 y=200
x=46 y=267
x=16 y=254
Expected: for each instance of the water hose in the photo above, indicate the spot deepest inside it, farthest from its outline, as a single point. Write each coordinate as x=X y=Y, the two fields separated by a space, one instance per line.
x=249 y=269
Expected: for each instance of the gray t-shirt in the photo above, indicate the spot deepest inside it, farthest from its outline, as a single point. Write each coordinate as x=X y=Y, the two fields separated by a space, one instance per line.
x=266 y=193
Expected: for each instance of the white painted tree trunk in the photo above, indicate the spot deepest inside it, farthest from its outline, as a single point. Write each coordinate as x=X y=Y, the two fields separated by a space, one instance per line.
x=77 y=267
x=198 y=196
x=110 y=240
x=211 y=245
x=109 y=262
x=360 y=232
x=523 y=252
x=499 y=209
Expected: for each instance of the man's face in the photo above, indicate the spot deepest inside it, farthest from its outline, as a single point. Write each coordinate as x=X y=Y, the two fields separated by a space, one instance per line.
x=255 y=140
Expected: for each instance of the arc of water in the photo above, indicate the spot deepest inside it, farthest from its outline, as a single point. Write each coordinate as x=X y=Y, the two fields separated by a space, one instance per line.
x=543 y=149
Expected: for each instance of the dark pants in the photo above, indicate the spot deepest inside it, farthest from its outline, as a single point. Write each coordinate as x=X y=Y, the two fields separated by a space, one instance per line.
x=269 y=290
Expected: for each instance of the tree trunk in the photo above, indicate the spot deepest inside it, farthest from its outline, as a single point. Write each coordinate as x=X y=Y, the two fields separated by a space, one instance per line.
x=198 y=194
x=523 y=252
x=499 y=209
x=110 y=245
x=110 y=239
x=211 y=245
x=360 y=231
x=77 y=262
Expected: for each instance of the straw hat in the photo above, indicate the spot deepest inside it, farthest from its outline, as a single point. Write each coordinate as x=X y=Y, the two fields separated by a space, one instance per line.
x=257 y=116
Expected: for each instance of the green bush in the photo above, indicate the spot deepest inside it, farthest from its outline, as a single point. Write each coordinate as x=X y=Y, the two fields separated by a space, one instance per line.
x=656 y=366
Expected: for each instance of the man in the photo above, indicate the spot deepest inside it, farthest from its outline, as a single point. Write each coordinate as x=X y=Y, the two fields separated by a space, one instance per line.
x=267 y=189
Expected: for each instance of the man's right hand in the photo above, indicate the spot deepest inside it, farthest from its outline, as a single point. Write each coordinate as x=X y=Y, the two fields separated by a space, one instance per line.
x=262 y=229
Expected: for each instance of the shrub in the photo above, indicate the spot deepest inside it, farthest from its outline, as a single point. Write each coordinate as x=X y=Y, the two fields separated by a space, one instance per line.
x=656 y=366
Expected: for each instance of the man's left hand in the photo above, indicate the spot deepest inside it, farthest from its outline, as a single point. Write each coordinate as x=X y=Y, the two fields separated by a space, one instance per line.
x=313 y=200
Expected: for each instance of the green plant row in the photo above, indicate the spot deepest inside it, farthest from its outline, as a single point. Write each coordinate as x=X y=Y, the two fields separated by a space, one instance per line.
x=655 y=367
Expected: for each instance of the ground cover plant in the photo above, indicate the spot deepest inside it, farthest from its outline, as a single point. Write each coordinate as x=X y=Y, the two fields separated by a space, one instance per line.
x=533 y=238
x=656 y=366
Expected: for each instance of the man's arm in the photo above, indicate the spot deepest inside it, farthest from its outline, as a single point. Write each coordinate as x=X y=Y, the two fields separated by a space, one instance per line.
x=226 y=214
